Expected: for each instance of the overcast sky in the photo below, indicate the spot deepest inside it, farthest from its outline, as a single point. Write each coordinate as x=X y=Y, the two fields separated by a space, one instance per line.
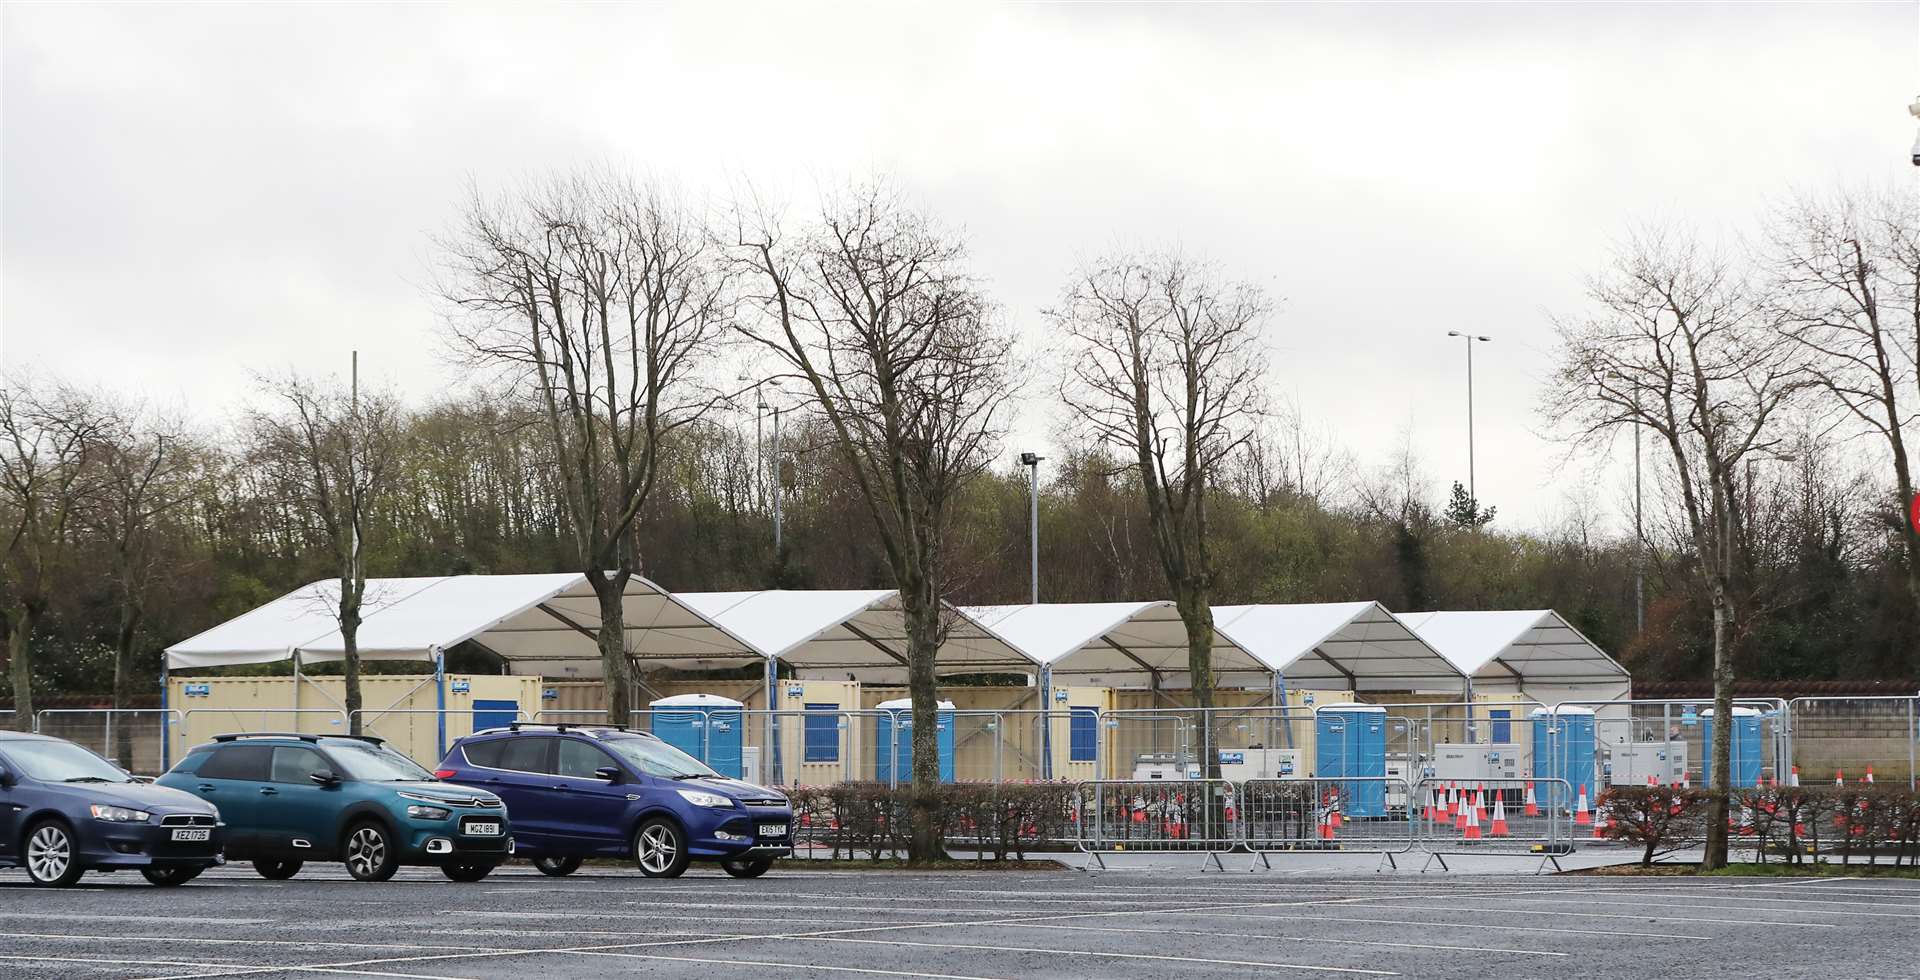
x=193 y=193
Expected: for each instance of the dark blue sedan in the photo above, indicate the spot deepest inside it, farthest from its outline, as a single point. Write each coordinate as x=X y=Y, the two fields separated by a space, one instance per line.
x=576 y=791
x=65 y=811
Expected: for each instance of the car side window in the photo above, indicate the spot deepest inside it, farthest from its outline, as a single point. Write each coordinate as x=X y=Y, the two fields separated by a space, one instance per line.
x=527 y=755
x=483 y=753
x=579 y=759
x=292 y=764
x=249 y=762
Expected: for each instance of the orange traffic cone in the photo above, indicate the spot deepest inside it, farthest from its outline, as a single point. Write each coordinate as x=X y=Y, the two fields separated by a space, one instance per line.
x=1869 y=775
x=1793 y=779
x=1686 y=780
x=1326 y=826
x=1480 y=802
x=1433 y=804
x=1446 y=802
x=1600 y=827
x=1533 y=805
x=1473 y=825
x=1333 y=807
x=1839 y=778
x=1139 y=815
x=1582 y=818
x=1499 y=826
x=1460 y=812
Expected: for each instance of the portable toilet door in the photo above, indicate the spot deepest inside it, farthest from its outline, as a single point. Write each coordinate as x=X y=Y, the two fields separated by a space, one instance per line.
x=1351 y=741
x=1744 y=752
x=1564 y=748
x=708 y=727
x=893 y=744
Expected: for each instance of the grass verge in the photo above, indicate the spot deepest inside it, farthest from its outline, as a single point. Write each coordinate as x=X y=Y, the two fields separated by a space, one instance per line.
x=1770 y=870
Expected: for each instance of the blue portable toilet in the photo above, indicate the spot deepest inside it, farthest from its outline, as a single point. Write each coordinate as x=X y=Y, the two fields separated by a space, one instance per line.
x=706 y=726
x=893 y=754
x=1351 y=740
x=1745 y=754
x=1567 y=754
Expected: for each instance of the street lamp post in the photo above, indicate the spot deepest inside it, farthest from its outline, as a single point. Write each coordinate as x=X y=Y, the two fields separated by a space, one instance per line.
x=1473 y=492
x=1032 y=463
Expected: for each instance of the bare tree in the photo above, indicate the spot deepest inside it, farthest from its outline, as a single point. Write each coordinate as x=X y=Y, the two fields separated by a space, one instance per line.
x=606 y=299
x=1166 y=364
x=1679 y=348
x=337 y=450
x=145 y=464
x=905 y=362
x=1847 y=288
x=49 y=438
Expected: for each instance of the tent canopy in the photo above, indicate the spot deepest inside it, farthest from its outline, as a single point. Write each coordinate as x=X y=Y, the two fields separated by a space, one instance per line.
x=538 y=624
x=864 y=632
x=1344 y=646
x=1535 y=652
x=1116 y=644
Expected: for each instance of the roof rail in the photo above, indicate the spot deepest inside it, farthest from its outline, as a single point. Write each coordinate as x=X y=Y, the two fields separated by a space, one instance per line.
x=302 y=736
x=567 y=726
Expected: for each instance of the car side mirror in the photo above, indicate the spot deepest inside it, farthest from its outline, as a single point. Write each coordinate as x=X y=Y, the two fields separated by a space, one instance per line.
x=324 y=778
x=609 y=773
x=6 y=778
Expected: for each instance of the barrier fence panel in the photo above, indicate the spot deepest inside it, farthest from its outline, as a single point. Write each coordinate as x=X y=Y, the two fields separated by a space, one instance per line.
x=1312 y=815
x=1497 y=817
x=1193 y=816
x=1849 y=738
x=198 y=725
x=132 y=738
x=1599 y=744
x=1259 y=742
x=425 y=734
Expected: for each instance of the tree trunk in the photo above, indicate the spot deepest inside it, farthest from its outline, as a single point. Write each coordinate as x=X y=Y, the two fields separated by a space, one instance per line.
x=20 y=665
x=923 y=640
x=349 y=664
x=1722 y=749
x=122 y=748
x=613 y=646
x=1197 y=615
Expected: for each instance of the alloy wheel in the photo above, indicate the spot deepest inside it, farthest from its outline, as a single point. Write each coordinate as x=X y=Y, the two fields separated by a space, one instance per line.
x=658 y=848
x=49 y=853
x=366 y=852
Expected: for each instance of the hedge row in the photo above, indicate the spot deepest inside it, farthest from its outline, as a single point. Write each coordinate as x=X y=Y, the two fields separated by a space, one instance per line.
x=875 y=820
x=1799 y=824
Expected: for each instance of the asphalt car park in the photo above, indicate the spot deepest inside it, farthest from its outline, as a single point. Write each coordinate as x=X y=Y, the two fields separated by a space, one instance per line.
x=608 y=921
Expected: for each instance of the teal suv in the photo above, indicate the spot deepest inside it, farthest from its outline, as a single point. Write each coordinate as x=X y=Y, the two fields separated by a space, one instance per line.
x=287 y=799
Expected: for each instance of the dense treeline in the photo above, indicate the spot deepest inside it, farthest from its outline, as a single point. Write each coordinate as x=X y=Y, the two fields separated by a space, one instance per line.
x=130 y=527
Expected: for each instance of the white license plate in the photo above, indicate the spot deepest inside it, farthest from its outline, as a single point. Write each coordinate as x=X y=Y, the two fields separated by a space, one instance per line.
x=773 y=830
x=192 y=833
x=483 y=829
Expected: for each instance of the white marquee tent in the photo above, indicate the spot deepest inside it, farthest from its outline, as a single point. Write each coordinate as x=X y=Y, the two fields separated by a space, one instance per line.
x=1116 y=644
x=1340 y=646
x=1534 y=653
x=536 y=624
x=829 y=634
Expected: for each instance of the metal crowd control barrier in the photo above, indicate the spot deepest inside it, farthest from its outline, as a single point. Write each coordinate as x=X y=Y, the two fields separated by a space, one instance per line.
x=1278 y=815
x=1495 y=818
x=132 y=738
x=1192 y=816
x=335 y=716
x=442 y=736
x=1850 y=736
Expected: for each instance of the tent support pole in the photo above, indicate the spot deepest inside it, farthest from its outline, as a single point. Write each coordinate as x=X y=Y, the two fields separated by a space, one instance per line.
x=166 y=733
x=440 y=697
x=767 y=775
x=1046 y=722
x=1466 y=686
x=1280 y=699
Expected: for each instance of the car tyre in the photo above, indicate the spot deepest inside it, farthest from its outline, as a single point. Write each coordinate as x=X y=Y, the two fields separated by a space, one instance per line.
x=369 y=852
x=747 y=867
x=660 y=849
x=467 y=871
x=167 y=876
x=51 y=857
x=558 y=867
x=277 y=870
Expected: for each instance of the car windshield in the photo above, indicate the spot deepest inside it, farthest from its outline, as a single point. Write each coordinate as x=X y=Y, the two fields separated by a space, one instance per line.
x=61 y=762
x=375 y=763
x=657 y=758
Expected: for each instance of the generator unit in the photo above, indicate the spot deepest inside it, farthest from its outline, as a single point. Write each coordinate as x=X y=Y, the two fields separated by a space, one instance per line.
x=1630 y=763
x=1238 y=764
x=1162 y=765
x=1467 y=762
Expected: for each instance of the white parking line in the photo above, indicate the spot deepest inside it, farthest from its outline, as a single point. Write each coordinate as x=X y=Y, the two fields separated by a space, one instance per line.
x=1101 y=954
x=85 y=917
x=223 y=966
x=1739 y=898
x=1269 y=936
x=1611 y=915
x=1463 y=925
x=185 y=940
x=784 y=966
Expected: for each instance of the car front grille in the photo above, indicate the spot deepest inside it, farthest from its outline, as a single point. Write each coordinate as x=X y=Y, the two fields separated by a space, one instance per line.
x=773 y=801
x=188 y=820
x=470 y=801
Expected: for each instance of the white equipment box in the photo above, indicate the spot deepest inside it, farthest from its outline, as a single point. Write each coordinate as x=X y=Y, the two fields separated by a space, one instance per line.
x=1630 y=763
x=1470 y=763
x=1165 y=766
x=1238 y=764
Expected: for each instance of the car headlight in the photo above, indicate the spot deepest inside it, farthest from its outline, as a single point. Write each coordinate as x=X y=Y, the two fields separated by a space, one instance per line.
x=118 y=814
x=418 y=812
x=713 y=800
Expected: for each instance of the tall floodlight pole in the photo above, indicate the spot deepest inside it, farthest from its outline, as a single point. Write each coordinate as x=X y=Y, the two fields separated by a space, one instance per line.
x=776 y=483
x=1473 y=491
x=1639 y=545
x=1032 y=463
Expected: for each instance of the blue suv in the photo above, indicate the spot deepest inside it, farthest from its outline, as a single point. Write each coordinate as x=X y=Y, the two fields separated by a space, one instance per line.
x=590 y=791
x=64 y=810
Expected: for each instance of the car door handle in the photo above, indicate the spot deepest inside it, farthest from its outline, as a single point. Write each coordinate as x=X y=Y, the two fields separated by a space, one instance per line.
x=206 y=787
x=269 y=791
